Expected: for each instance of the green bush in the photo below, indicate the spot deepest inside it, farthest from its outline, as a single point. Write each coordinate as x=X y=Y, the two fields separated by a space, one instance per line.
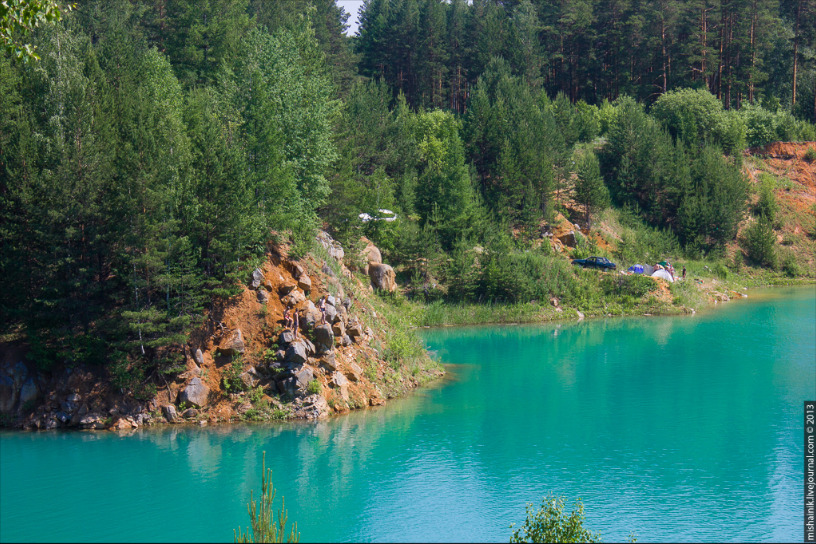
x=759 y=242
x=790 y=266
x=129 y=376
x=764 y=126
x=721 y=271
x=696 y=117
x=687 y=293
x=810 y=155
x=634 y=286
x=314 y=387
x=606 y=116
x=551 y=524
x=766 y=206
x=759 y=125
x=230 y=377
x=524 y=276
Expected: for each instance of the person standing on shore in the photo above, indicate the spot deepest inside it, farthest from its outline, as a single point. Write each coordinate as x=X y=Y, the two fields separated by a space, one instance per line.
x=295 y=323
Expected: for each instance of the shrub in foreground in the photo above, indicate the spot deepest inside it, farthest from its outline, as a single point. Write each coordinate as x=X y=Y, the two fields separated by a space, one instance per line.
x=265 y=526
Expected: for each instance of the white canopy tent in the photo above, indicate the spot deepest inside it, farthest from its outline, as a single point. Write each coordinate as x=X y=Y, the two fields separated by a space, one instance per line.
x=661 y=273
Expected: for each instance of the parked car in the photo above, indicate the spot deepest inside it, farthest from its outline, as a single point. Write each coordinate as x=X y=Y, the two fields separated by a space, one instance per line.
x=595 y=262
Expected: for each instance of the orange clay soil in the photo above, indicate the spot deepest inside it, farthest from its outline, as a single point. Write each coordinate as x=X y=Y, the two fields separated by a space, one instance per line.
x=787 y=160
x=261 y=327
x=795 y=192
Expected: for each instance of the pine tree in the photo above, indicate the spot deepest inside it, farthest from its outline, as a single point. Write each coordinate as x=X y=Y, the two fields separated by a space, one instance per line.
x=589 y=188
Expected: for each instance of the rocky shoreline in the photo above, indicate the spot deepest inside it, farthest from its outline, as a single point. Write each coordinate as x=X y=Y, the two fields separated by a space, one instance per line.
x=242 y=364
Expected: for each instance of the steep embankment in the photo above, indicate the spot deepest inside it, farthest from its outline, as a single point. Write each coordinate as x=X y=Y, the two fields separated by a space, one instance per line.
x=242 y=364
x=791 y=169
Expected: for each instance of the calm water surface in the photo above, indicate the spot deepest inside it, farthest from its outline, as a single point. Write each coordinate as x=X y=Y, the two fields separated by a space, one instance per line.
x=685 y=429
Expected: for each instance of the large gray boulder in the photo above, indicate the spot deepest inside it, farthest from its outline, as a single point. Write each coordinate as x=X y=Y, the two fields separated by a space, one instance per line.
x=355 y=373
x=382 y=277
x=329 y=362
x=355 y=330
x=263 y=295
x=233 y=345
x=310 y=348
x=286 y=337
x=77 y=416
x=568 y=239
x=342 y=314
x=305 y=283
x=296 y=353
x=196 y=393
x=168 y=411
x=310 y=315
x=286 y=288
x=94 y=421
x=296 y=270
x=250 y=378
x=324 y=338
x=294 y=298
x=331 y=314
x=304 y=376
x=256 y=279
x=288 y=386
x=311 y=407
x=370 y=253
x=341 y=383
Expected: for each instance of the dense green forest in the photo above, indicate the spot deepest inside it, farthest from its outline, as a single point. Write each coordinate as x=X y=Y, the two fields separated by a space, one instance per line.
x=157 y=145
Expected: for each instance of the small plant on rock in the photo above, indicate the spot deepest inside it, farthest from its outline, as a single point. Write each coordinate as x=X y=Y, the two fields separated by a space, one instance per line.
x=314 y=387
x=231 y=377
x=270 y=354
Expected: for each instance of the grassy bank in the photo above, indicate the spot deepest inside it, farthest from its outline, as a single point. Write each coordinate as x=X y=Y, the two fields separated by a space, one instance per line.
x=604 y=294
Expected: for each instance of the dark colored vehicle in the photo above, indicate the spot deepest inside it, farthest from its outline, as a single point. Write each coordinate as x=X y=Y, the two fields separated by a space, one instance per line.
x=596 y=262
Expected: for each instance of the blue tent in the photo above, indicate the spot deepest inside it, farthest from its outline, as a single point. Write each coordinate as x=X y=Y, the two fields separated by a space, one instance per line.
x=636 y=269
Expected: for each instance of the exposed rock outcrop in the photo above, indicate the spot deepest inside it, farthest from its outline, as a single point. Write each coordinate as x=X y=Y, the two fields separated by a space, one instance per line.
x=233 y=345
x=333 y=247
x=324 y=338
x=370 y=252
x=382 y=277
x=195 y=393
x=240 y=359
x=256 y=278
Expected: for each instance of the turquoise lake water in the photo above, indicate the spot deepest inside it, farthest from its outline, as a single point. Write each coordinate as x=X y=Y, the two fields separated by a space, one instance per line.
x=676 y=429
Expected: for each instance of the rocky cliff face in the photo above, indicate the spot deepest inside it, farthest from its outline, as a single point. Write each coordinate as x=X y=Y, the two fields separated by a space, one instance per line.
x=244 y=363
